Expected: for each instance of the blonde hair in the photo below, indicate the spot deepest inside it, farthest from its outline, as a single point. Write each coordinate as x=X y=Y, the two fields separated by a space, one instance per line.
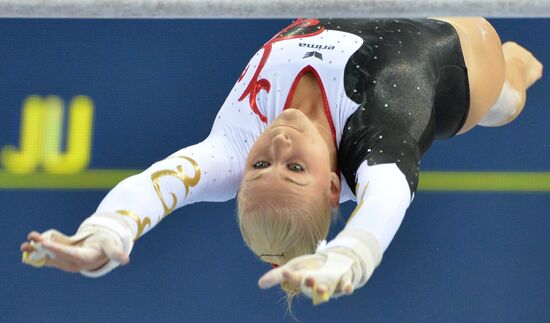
x=278 y=231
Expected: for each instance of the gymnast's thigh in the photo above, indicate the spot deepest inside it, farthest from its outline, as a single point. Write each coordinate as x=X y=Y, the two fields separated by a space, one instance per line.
x=482 y=51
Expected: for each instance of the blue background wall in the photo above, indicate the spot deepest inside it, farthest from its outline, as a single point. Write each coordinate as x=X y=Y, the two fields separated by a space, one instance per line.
x=156 y=86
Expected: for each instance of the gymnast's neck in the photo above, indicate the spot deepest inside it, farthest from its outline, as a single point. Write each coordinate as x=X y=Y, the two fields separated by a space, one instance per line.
x=308 y=98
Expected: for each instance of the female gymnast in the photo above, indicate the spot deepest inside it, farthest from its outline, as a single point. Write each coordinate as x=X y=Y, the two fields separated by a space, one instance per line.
x=326 y=111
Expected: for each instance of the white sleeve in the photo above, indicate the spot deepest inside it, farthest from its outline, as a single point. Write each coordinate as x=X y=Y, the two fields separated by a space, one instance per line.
x=208 y=171
x=383 y=197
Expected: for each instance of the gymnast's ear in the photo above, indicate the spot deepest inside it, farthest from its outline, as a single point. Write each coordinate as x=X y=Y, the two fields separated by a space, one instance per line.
x=334 y=194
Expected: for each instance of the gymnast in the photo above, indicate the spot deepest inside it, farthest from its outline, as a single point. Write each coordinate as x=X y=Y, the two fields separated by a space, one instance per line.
x=326 y=111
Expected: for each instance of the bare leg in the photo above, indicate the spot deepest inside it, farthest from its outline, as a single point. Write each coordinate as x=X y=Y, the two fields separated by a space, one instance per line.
x=522 y=69
x=482 y=51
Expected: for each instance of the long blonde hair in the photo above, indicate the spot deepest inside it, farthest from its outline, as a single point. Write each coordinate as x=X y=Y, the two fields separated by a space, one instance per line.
x=277 y=231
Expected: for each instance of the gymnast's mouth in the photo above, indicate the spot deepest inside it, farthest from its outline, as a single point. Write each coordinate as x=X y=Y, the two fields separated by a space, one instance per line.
x=288 y=126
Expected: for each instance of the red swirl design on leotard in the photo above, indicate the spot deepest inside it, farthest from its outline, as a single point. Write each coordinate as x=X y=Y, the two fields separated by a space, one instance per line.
x=243 y=74
x=256 y=85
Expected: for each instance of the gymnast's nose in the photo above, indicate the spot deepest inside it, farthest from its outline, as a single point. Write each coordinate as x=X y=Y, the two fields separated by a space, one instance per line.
x=280 y=143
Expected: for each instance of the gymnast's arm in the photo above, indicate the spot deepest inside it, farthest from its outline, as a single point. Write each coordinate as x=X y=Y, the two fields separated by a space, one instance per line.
x=208 y=171
x=383 y=196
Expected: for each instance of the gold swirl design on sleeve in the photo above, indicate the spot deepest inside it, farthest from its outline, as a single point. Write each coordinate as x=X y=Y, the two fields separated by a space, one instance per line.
x=360 y=202
x=179 y=173
x=141 y=224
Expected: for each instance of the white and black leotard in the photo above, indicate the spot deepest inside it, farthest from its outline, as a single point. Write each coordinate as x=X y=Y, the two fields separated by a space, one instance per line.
x=411 y=83
x=389 y=87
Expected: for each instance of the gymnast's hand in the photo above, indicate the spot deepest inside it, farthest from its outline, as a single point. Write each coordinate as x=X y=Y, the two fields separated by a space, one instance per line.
x=84 y=251
x=319 y=276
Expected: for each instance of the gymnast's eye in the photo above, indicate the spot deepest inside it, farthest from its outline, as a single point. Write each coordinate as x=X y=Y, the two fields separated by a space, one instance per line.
x=295 y=167
x=260 y=164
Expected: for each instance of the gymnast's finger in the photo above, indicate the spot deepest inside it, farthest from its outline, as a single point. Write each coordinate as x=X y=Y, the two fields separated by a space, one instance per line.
x=26 y=247
x=344 y=285
x=62 y=264
x=320 y=294
x=309 y=282
x=73 y=254
x=60 y=250
x=321 y=289
x=85 y=258
x=293 y=278
x=271 y=278
x=114 y=251
x=35 y=236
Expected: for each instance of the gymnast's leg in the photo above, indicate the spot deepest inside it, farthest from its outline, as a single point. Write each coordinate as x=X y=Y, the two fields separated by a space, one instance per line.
x=499 y=75
x=522 y=69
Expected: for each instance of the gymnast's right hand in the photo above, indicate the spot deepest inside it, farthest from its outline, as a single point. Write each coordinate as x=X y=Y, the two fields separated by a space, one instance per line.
x=85 y=252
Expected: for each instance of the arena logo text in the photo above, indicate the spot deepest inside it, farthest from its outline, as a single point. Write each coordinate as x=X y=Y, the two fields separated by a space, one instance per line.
x=41 y=137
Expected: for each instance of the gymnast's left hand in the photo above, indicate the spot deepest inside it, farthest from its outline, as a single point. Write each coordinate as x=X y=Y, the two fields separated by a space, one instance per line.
x=320 y=276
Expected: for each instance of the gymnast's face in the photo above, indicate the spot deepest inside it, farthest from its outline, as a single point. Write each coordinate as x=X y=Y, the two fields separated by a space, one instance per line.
x=289 y=157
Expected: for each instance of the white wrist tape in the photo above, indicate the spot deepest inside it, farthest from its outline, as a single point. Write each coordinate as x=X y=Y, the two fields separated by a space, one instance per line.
x=360 y=245
x=113 y=224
